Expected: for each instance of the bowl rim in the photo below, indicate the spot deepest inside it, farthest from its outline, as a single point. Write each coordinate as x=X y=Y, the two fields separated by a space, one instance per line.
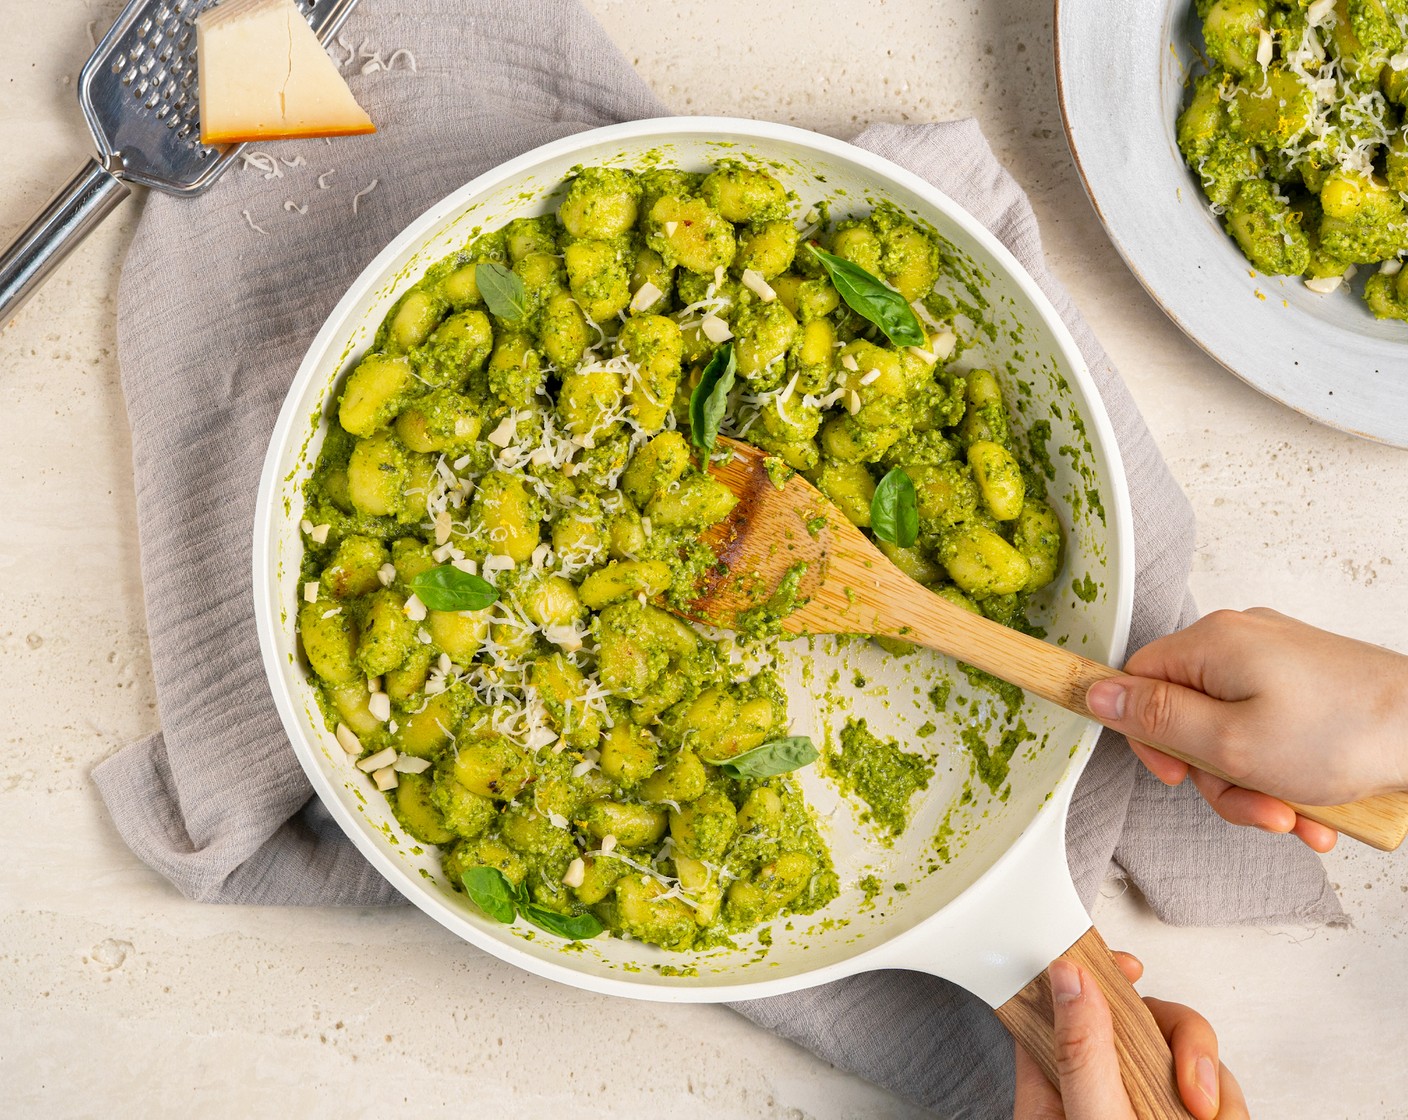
x=1049 y=819
x=1211 y=295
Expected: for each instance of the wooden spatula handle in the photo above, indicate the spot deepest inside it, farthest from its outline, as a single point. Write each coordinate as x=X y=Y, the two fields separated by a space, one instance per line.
x=1063 y=677
x=1146 y=1062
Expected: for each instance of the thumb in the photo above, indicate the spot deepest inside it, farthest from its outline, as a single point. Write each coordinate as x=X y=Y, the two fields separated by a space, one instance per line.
x=1086 y=1062
x=1159 y=713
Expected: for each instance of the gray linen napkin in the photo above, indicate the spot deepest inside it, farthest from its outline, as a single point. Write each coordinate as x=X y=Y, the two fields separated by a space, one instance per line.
x=218 y=300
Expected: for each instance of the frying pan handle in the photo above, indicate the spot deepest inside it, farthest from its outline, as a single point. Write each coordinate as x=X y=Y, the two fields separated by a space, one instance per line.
x=70 y=216
x=1146 y=1062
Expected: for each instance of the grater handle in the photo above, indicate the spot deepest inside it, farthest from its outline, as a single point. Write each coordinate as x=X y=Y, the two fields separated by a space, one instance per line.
x=71 y=215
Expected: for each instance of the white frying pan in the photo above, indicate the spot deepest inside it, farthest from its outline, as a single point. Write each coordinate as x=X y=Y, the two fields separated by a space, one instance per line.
x=992 y=910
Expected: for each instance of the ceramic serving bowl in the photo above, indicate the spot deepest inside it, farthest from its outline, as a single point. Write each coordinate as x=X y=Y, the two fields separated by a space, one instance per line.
x=1122 y=74
x=976 y=889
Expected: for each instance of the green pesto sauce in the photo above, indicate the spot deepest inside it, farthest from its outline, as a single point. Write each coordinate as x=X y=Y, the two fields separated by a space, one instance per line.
x=1092 y=499
x=947 y=833
x=1038 y=435
x=993 y=763
x=778 y=471
x=880 y=773
x=1011 y=696
x=766 y=617
x=870 y=887
x=1085 y=588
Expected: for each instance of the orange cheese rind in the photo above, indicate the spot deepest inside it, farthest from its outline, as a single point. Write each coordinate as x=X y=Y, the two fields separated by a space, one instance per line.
x=250 y=137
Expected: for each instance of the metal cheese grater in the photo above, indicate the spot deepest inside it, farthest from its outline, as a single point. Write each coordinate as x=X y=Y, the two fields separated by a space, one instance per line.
x=138 y=93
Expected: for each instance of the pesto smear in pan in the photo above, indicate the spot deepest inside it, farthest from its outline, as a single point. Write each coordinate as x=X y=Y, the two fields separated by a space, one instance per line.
x=513 y=490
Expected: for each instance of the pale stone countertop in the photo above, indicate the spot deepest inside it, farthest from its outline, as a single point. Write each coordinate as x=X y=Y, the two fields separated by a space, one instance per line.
x=114 y=990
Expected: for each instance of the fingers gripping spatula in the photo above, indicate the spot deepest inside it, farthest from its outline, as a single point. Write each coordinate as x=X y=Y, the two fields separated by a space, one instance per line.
x=138 y=94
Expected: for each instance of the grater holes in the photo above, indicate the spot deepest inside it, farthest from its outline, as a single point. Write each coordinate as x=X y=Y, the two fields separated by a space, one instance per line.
x=129 y=77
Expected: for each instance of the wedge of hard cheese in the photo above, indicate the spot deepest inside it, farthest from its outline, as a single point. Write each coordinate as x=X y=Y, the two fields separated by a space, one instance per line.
x=264 y=76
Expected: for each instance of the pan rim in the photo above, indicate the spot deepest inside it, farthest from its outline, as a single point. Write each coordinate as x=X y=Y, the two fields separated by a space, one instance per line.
x=288 y=428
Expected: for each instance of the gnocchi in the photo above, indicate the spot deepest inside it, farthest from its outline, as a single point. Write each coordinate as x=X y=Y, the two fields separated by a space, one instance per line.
x=573 y=734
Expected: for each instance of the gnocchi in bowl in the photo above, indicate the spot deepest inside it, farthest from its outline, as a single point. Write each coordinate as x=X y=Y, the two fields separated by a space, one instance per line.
x=1298 y=326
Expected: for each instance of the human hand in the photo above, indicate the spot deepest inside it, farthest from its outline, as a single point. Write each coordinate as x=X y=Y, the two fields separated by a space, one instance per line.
x=1089 y=1070
x=1294 y=711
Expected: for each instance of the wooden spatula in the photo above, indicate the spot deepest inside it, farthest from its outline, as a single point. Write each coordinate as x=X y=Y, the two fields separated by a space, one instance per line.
x=850 y=587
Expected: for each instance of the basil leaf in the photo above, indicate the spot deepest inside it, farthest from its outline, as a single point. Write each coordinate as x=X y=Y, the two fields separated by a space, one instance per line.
x=894 y=511
x=709 y=401
x=502 y=290
x=781 y=756
x=489 y=889
x=574 y=927
x=446 y=588
x=520 y=893
x=871 y=298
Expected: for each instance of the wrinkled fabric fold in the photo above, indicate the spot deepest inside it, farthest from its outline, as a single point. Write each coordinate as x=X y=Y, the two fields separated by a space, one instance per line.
x=219 y=298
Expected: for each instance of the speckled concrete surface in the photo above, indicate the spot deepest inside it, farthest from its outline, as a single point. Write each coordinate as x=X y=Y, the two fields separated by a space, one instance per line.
x=116 y=994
